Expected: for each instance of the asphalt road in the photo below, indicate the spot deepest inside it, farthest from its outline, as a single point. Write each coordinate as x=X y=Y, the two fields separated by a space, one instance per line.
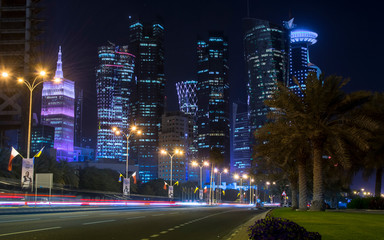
x=197 y=223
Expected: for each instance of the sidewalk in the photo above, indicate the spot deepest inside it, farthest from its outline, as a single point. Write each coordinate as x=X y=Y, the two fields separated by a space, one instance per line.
x=240 y=233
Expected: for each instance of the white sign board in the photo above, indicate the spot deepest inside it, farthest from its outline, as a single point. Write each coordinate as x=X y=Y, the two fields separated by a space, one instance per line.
x=27 y=174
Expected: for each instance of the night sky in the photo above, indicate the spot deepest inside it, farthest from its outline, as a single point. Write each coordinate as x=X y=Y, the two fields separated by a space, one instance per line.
x=349 y=42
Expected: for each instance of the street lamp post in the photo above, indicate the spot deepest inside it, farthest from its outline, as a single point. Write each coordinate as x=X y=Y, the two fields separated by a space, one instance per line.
x=203 y=164
x=127 y=136
x=251 y=180
x=175 y=152
x=31 y=86
x=217 y=171
x=244 y=176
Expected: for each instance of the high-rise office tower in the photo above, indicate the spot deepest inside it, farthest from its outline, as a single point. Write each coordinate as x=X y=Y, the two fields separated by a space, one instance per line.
x=78 y=117
x=176 y=133
x=266 y=48
x=186 y=92
x=146 y=42
x=187 y=95
x=42 y=136
x=213 y=96
x=299 y=64
x=20 y=28
x=57 y=110
x=241 y=160
x=114 y=87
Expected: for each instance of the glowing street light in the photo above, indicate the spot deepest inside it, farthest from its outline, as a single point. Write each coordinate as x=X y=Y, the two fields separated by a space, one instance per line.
x=175 y=152
x=31 y=86
x=127 y=136
x=223 y=171
x=241 y=177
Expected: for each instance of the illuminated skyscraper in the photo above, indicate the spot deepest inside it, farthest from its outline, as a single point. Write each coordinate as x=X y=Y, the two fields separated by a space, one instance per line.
x=114 y=86
x=146 y=42
x=299 y=64
x=186 y=92
x=266 y=57
x=213 y=96
x=241 y=160
x=58 y=103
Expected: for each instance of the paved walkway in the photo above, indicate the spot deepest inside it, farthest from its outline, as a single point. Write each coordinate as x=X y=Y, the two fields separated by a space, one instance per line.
x=241 y=233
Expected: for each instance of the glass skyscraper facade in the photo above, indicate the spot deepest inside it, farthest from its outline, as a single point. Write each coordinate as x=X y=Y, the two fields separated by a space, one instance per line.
x=114 y=86
x=58 y=103
x=213 y=96
x=266 y=47
x=146 y=42
x=186 y=93
x=241 y=160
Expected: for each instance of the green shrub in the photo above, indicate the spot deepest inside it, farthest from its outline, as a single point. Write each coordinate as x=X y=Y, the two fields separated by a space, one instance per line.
x=272 y=228
x=367 y=203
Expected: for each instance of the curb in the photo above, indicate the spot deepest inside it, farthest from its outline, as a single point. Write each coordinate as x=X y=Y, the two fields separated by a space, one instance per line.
x=241 y=232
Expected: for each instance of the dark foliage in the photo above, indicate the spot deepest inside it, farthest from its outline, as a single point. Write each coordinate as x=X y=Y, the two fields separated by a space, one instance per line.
x=367 y=203
x=272 y=228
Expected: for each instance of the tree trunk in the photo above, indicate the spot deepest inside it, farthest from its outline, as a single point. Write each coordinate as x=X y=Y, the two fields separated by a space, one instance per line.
x=294 y=195
x=379 y=178
x=302 y=186
x=318 y=183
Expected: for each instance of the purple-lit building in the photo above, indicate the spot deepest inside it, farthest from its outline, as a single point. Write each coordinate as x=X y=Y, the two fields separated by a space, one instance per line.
x=57 y=110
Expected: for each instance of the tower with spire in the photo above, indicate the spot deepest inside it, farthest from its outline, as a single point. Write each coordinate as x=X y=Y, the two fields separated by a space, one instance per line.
x=57 y=110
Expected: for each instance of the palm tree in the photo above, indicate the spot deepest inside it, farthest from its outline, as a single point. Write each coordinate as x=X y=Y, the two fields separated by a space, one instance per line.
x=325 y=114
x=288 y=149
x=374 y=162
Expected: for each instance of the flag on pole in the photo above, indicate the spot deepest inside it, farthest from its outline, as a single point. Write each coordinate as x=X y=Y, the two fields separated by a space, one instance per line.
x=176 y=183
x=205 y=190
x=134 y=177
x=121 y=175
x=223 y=192
x=165 y=185
x=196 y=189
x=238 y=194
x=39 y=153
x=14 y=153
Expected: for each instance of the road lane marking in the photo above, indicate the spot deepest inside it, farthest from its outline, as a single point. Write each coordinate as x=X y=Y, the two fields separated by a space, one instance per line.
x=154 y=235
x=171 y=229
x=105 y=221
x=135 y=217
x=163 y=232
x=29 y=231
x=20 y=220
x=74 y=216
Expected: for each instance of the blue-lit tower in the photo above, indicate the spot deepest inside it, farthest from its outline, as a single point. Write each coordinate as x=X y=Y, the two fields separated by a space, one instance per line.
x=241 y=159
x=187 y=95
x=146 y=42
x=57 y=110
x=114 y=86
x=266 y=48
x=213 y=97
x=299 y=64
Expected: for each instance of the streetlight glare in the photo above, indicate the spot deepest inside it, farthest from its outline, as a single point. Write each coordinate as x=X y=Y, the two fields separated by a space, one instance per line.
x=4 y=74
x=216 y=170
x=57 y=80
x=20 y=80
x=245 y=176
x=206 y=164
x=225 y=170
x=134 y=128
x=139 y=132
x=162 y=151
x=194 y=164
x=117 y=132
x=42 y=73
x=114 y=129
x=236 y=176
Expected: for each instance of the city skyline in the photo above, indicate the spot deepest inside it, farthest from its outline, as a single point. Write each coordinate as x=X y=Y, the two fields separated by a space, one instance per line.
x=180 y=37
